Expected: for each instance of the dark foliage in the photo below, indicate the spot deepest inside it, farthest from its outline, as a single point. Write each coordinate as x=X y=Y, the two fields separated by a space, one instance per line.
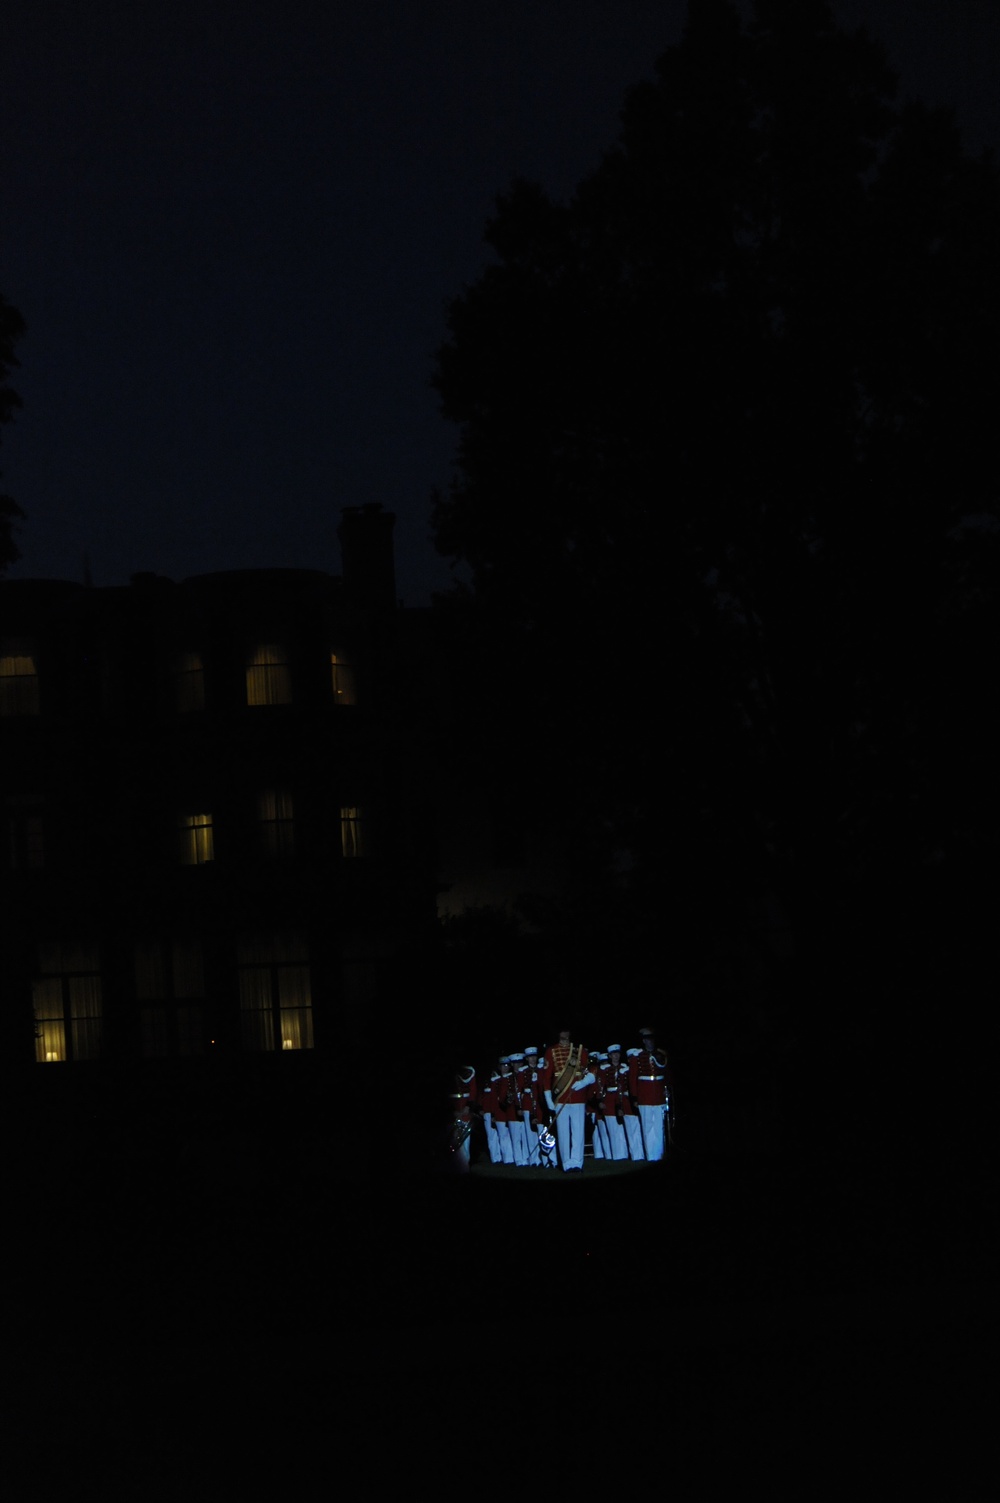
x=727 y=489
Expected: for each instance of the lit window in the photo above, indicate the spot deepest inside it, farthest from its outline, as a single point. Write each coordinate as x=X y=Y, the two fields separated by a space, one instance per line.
x=18 y=679
x=342 y=671
x=269 y=677
x=66 y=997
x=275 y=993
x=197 y=846
x=276 y=823
x=352 y=833
x=170 y=989
x=189 y=682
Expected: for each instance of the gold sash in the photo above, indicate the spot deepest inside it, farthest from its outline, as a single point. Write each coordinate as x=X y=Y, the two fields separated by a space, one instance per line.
x=568 y=1074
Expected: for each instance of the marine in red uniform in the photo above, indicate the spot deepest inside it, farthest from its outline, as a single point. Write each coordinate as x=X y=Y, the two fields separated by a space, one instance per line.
x=566 y=1097
x=532 y=1105
x=615 y=1087
x=546 y=1137
x=630 y=1112
x=503 y=1106
x=648 y=1085
x=595 y=1104
x=515 y=1121
x=463 y=1097
x=487 y=1105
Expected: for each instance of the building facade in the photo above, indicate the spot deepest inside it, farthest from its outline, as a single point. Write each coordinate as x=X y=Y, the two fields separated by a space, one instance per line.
x=213 y=843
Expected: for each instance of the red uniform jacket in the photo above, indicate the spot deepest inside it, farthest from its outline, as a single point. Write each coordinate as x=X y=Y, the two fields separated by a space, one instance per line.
x=530 y=1094
x=464 y=1093
x=624 y=1086
x=488 y=1096
x=506 y=1109
x=556 y=1056
x=615 y=1090
x=648 y=1078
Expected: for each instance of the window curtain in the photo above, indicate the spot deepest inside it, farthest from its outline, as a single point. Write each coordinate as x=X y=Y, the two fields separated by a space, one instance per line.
x=269 y=678
x=85 y=1016
x=342 y=672
x=197 y=841
x=295 y=1007
x=168 y=971
x=351 y=832
x=277 y=824
x=50 y=1026
x=18 y=680
x=256 y=1018
x=275 y=992
x=67 y=999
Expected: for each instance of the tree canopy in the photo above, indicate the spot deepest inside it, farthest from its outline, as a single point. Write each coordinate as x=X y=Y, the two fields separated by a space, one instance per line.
x=725 y=415
x=726 y=483
x=11 y=330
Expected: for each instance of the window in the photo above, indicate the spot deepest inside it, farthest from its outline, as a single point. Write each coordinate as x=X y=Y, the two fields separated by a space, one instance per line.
x=170 y=989
x=66 y=997
x=342 y=672
x=18 y=679
x=275 y=993
x=189 y=683
x=197 y=845
x=269 y=677
x=24 y=836
x=352 y=831
x=277 y=827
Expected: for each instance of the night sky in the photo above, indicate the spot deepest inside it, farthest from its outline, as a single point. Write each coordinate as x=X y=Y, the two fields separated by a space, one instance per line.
x=233 y=227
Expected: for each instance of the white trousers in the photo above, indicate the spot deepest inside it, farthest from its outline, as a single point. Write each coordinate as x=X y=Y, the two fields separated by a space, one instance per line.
x=633 y=1132
x=651 y=1118
x=531 y=1140
x=616 y=1138
x=569 y=1134
x=492 y=1139
x=520 y=1143
x=506 y=1145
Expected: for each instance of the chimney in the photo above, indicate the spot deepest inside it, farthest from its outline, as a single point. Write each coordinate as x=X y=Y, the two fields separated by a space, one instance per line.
x=366 y=552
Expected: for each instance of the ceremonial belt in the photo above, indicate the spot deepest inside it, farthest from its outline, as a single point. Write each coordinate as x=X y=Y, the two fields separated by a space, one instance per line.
x=568 y=1074
x=650 y=1077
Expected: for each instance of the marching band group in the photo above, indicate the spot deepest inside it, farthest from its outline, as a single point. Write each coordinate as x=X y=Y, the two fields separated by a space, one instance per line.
x=536 y=1105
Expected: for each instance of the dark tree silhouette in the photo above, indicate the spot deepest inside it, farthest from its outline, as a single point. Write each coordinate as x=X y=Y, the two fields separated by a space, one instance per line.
x=11 y=330
x=727 y=489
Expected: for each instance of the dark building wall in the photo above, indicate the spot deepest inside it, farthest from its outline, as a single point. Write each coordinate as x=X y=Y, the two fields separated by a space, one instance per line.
x=200 y=868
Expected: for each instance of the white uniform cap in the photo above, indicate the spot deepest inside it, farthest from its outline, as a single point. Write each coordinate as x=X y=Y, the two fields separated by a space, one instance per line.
x=531 y=1049
x=614 y=1048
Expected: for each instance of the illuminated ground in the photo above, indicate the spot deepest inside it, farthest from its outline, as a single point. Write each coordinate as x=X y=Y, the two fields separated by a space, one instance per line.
x=592 y=1169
